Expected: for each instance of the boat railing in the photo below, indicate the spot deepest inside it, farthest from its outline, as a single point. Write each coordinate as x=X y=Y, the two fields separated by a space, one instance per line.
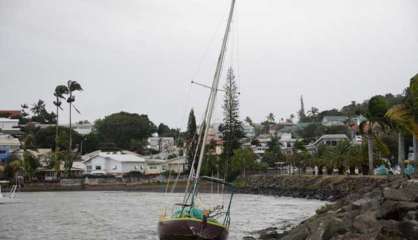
x=227 y=218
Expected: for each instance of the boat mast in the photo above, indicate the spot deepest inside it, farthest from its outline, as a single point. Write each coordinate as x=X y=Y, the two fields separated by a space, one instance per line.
x=213 y=93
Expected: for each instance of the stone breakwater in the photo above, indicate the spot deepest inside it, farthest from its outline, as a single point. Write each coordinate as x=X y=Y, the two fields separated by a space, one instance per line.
x=329 y=188
x=365 y=208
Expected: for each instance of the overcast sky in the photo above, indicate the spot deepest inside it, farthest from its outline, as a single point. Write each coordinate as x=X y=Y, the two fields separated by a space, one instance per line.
x=140 y=55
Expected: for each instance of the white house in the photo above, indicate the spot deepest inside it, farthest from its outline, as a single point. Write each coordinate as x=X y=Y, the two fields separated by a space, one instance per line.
x=330 y=121
x=161 y=143
x=7 y=124
x=287 y=142
x=331 y=139
x=115 y=163
x=155 y=167
x=262 y=146
x=177 y=165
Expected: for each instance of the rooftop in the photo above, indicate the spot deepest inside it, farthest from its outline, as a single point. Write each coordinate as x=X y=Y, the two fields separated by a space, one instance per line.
x=120 y=156
x=335 y=118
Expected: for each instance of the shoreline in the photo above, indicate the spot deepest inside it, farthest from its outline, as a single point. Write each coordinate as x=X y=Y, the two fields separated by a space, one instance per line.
x=362 y=207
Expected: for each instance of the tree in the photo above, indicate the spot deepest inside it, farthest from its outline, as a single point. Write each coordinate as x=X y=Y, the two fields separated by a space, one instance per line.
x=311 y=132
x=191 y=138
x=242 y=160
x=268 y=123
x=273 y=153
x=249 y=121
x=30 y=163
x=232 y=129
x=47 y=138
x=72 y=86
x=271 y=118
x=375 y=119
x=163 y=130
x=23 y=119
x=405 y=117
x=120 y=128
x=59 y=93
x=40 y=114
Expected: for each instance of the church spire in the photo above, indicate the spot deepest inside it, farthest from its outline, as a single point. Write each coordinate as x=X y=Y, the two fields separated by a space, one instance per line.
x=302 y=109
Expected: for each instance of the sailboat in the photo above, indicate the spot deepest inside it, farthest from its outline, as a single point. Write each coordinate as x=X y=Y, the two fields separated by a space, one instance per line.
x=188 y=221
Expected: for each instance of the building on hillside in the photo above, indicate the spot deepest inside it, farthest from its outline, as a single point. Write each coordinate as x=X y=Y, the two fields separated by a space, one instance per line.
x=158 y=166
x=9 y=126
x=155 y=167
x=262 y=144
x=161 y=144
x=83 y=127
x=331 y=121
x=354 y=124
x=48 y=174
x=177 y=165
x=287 y=142
x=328 y=139
x=8 y=146
x=248 y=130
x=114 y=163
x=14 y=114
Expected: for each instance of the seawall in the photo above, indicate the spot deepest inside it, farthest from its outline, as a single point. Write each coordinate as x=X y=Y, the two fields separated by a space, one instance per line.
x=328 y=188
x=363 y=207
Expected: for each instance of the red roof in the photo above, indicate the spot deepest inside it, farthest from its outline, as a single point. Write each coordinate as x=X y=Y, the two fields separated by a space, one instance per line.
x=10 y=113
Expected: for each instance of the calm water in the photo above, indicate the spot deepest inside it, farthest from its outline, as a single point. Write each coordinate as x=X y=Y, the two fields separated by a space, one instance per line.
x=131 y=215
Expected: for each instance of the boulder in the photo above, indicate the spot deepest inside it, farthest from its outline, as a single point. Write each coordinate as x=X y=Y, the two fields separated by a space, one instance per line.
x=409 y=229
x=398 y=195
x=366 y=223
x=334 y=227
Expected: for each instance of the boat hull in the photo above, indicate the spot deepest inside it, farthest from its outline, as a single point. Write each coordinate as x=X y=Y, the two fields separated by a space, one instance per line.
x=190 y=229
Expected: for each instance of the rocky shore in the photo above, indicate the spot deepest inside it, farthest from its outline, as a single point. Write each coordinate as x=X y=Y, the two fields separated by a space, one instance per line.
x=364 y=208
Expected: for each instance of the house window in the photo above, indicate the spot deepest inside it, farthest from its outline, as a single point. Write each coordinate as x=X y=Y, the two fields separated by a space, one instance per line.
x=98 y=168
x=152 y=167
x=89 y=168
x=115 y=167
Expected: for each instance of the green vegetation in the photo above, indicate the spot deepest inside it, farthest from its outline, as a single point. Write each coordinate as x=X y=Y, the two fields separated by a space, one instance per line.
x=232 y=127
x=124 y=129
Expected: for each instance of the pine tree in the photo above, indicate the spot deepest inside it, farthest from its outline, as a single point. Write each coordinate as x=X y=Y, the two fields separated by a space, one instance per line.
x=191 y=137
x=232 y=130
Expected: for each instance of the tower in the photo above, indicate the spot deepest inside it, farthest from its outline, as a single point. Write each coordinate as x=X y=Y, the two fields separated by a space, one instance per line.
x=302 y=109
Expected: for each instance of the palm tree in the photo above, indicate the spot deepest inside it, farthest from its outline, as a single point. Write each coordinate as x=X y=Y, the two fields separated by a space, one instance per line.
x=59 y=93
x=71 y=87
x=377 y=109
x=405 y=116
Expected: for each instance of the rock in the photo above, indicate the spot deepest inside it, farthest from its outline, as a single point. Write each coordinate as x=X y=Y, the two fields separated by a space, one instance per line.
x=333 y=228
x=412 y=215
x=411 y=187
x=366 y=223
x=398 y=195
x=248 y=238
x=396 y=210
x=389 y=230
x=298 y=233
x=409 y=229
x=366 y=203
x=269 y=233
